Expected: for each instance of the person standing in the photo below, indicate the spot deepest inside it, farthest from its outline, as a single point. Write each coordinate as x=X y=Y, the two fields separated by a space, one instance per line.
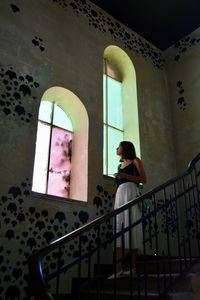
x=130 y=174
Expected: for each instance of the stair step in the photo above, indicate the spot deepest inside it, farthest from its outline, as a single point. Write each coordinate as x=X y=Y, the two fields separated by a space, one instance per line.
x=152 y=265
x=122 y=295
x=164 y=265
x=181 y=296
x=182 y=290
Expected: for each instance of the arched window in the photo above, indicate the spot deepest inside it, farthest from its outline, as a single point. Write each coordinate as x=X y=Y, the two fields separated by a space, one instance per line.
x=52 y=166
x=113 y=118
x=120 y=109
x=60 y=155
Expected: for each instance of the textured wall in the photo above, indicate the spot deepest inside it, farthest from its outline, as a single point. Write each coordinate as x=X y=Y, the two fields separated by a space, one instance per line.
x=183 y=71
x=61 y=43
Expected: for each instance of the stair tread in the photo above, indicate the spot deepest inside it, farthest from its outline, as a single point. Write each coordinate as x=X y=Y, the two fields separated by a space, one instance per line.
x=135 y=293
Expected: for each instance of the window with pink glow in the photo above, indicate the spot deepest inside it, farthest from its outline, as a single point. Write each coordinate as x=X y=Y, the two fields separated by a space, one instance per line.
x=52 y=165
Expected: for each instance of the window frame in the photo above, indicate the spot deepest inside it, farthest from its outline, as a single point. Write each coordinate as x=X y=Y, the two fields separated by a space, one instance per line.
x=106 y=124
x=51 y=125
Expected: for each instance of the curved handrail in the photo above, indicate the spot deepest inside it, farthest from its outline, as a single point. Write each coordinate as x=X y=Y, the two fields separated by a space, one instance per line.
x=35 y=260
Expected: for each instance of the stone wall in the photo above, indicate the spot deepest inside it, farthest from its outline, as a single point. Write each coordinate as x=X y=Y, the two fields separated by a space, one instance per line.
x=183 y=71
x=48 y=43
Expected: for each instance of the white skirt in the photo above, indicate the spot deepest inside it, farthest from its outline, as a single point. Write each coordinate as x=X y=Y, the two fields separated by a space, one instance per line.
x=126 y=192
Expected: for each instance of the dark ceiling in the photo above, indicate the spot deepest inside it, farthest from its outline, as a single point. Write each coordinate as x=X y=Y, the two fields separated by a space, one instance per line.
x=161 y=22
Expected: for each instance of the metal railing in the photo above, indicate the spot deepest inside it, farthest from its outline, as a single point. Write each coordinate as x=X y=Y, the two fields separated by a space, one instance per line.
x=170 y=220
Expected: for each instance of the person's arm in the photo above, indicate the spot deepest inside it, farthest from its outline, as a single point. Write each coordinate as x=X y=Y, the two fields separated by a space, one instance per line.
x=141 y=178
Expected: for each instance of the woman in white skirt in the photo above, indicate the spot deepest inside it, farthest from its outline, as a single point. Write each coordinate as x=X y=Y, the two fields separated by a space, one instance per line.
x=130 y=174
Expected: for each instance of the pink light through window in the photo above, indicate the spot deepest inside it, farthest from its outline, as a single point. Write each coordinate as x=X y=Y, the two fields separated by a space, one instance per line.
x=60 y=163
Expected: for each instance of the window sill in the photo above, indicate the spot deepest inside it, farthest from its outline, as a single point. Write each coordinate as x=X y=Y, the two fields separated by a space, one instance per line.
x=57 y=199
x=107 y=177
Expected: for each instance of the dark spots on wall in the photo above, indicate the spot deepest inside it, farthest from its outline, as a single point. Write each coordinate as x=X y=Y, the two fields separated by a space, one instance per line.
x=38 y=42
x=12 y=293
x=181 y=99
x=39 y=228
x=97 y=201
x=17 y=273
x=84 y=239
x=40 y=225
x=49 y=236
x=15 y=8
x=32 y=210
x=83 y=216
x=25 y=89
x=19 y=110
x=165 y=225
x=9 y=234
x=184 y=45
x=6 y=111
x=14 y=89
x=60 y=216
x=12 y=207
x=99 y=188
x=103 y=200
x=62 y=3
x=21 y=217
x=76 y=225
x=11 y=75
x=31 y=242
x=104 y=24
x=15 y=191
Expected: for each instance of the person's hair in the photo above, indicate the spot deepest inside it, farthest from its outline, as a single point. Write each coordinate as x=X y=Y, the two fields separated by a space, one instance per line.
x=128 y=150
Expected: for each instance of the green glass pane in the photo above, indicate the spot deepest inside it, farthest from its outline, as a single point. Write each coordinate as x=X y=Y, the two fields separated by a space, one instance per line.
x=105 y=156
x=114 y=99
x=45 y=111
x=104 y=98
x=114 y=138
x=61 y=119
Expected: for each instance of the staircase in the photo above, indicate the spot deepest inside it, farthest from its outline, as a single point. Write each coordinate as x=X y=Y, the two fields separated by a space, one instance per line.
x=167 y=268
x=184 y=288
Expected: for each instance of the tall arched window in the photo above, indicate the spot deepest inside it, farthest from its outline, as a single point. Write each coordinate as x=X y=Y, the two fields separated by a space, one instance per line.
x=113 y=118
x=60 y=155
x=120 y=106
x=52 y=166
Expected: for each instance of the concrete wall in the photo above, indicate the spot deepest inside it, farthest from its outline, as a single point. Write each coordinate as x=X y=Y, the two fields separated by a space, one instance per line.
x=183 y=72
x=49 y=43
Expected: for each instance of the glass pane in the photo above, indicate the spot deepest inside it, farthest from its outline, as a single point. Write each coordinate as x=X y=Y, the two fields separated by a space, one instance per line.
x=104 y=99
x=61 y=119
x=105 y=156
x=60 y=163
x=114 y=104
x=41 y=158
x=45 y=111
x=114 y=138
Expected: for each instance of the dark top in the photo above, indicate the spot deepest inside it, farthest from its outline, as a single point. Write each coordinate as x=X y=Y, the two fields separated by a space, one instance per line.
x=130 y=169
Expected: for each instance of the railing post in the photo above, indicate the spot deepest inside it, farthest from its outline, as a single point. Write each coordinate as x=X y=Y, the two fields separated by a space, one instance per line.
x=196 y=205
x=178 y=231
x=98 y=263
x=167 y=233
x=130 y=251
x=186 y=190
x=79 y=267
x=156 y=241
x=144 y=251
x=58 y=274
x=197 y=177
x=115 y=256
